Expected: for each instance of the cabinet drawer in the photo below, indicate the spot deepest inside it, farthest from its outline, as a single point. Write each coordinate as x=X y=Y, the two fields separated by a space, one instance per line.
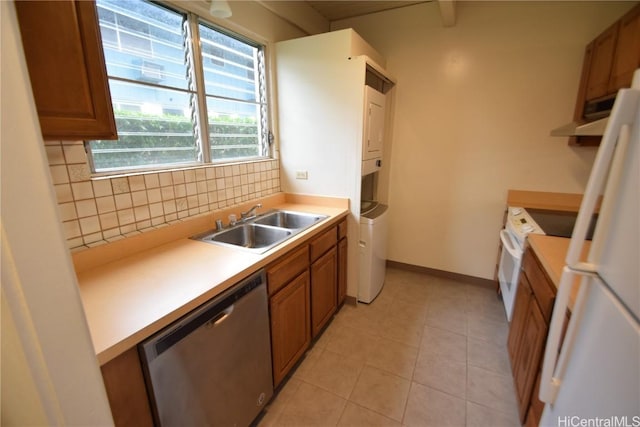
x=282 y=272
x=322 y=244
x=342 y=229
x=541 y=286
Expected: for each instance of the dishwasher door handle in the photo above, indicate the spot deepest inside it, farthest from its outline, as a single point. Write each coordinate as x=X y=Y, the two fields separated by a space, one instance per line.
x=220 y=317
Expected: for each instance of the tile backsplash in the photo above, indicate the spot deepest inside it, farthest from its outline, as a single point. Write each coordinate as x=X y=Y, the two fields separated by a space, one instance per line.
x=96 y=211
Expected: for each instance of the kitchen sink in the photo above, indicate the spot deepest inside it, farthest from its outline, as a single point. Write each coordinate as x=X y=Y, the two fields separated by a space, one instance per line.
x=250 y=236
x=263 y=232
x=289 y=220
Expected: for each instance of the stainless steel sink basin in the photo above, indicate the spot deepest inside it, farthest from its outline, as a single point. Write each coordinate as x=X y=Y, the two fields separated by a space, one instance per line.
x=290 y=220
x=263 y=232
x=250 y=236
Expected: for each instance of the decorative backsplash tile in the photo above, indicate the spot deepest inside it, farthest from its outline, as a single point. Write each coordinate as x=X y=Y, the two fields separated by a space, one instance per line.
x=96 y=211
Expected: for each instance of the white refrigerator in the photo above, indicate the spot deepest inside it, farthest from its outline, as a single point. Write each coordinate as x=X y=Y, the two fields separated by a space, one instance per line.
x=592 y=378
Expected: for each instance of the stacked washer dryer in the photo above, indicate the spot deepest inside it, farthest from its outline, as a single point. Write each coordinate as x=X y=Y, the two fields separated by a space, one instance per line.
x=373 y=216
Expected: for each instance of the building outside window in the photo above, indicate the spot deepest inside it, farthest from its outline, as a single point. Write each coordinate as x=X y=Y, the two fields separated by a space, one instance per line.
x=178 y=102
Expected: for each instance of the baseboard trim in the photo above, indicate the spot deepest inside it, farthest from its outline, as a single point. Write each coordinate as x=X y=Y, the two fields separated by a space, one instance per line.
x=471 y=280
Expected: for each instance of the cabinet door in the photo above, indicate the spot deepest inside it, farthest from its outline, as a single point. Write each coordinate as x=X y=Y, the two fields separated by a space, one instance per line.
x=290 y=325
x=373 y=124
x=537 y=406
x=627 y=55
x=126 y=390
x=63 y=50
x=342 y=270
x=601 y=61
x=534 y=335
x=323 y=290
x=520 y=308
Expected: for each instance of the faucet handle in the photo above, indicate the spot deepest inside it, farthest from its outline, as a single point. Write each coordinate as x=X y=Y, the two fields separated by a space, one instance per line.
x=233 y=219
x=219 y=225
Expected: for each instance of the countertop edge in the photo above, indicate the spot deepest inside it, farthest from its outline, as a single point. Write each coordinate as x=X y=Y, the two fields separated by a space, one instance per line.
x=551 y=252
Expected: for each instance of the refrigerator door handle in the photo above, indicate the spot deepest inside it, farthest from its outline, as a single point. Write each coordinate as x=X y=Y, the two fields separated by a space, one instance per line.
x=623 y=114
x=554 y=364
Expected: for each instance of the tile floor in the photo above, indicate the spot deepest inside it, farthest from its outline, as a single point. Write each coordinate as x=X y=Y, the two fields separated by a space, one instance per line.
x=427 y=352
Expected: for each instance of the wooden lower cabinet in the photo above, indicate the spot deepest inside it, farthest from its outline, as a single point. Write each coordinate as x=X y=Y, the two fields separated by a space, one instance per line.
x=529 y=355
x=324 y=275
x=519 y=320
x=290 y=325
x=528 y=335
x=126 y=390
x=534 y=414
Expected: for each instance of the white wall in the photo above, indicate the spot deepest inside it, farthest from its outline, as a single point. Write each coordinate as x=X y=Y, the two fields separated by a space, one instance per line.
x=474 y=105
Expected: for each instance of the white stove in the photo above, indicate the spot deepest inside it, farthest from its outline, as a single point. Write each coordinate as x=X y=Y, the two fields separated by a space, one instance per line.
x=519 y=224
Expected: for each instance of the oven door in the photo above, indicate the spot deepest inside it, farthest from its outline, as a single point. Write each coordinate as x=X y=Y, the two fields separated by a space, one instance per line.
x=509 y=270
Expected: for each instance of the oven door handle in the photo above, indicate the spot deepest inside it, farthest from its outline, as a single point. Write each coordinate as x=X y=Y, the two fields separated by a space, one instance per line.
x=507 y=243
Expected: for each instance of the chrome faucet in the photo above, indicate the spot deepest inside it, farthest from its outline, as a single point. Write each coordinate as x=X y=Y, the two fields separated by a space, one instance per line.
x=250 y=213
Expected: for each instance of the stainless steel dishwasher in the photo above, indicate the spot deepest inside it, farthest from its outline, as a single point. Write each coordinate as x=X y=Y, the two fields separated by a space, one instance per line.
x=213 y=366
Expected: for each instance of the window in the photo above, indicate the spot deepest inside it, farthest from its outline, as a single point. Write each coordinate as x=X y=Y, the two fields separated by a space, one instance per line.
x=177 y=102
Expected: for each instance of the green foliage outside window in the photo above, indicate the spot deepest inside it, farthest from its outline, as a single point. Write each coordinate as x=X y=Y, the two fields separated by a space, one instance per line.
x=147 y=139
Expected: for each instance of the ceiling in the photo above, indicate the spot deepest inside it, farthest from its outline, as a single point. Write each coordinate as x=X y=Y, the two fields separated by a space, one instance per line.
x=335 y=10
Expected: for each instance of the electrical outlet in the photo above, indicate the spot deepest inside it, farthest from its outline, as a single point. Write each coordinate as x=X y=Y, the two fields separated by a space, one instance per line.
x=302 y=175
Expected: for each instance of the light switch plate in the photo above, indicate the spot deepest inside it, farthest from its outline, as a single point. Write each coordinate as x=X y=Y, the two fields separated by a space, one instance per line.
x=302 y=175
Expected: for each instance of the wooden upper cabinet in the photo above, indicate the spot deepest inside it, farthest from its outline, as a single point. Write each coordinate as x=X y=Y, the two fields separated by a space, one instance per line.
x=600 y=68
x=627 y=57
x=63 y=50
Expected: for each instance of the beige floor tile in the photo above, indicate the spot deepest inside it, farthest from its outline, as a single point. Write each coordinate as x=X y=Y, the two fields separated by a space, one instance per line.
x=489 y=356
x=364 y=318
x=323 y=339
x=413 y=356
x=401 y=329
x=408 y=310
x=391 y=287
x=445 y=343
x=311 y=406
x=309 y=360
x=446 y=318
x=381 y=302
x=395 y=275
x=491 y=390
x=381 y=392
x=357 y=416
x=442 y=299
x=351 y=342
x=441 y=373
x=278 y=403
x=335 y=373
x=487 y=330
x=481 y=416
x=428 y=407
x=486 y=304
x=414 y=292
x=393 y=357
x=448 y=287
